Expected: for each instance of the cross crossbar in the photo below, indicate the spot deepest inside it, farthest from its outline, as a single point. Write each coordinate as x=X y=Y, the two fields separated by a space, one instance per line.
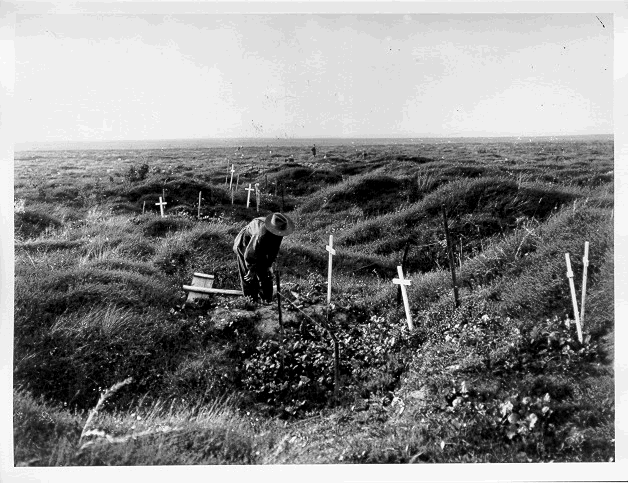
x=401 y=282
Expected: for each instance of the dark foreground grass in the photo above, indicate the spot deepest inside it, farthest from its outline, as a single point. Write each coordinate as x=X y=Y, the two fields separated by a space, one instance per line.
x=175 y=434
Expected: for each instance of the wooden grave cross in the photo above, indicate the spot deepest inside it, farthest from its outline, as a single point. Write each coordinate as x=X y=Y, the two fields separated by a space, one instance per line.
x=573 y=297
x=332 y=252
x=161 y=206
x=257 y=196
x=232 y=171
x=248 y=195
x=403 y=283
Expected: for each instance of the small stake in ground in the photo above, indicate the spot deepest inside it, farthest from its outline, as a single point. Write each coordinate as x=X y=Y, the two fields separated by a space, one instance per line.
x=282 y=198
x=232 y=171
x=585 y=263
x=199 y=205
x=248 y=195
x=257 y=196
x=143 y=207
x=161 y=205
x=452 y=263
x=573 y=297
x=280 y=318
x=332 y=252
x=403 y=282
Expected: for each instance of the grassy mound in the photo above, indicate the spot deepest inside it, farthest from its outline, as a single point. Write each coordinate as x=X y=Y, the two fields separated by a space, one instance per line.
x=162 y=226
x=180 y=191
x=371 y=193
x=301 y=180
x=31 y=224
x=477 y=209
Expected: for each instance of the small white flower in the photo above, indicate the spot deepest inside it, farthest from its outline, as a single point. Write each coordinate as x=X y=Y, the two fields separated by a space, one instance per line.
x=505 y=408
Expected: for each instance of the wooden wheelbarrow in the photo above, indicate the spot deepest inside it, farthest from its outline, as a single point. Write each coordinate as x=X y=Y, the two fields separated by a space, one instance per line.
x=203 y=288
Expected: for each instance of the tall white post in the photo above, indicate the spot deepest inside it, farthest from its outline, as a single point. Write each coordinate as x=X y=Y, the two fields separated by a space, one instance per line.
x=232 y=171
x=199 y=205
x=332 y=252
x=573 y=297
x=403 y=283
x=257 y=196
x=585 y=263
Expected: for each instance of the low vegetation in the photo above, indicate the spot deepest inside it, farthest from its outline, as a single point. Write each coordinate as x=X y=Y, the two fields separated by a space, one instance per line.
x=501 y=378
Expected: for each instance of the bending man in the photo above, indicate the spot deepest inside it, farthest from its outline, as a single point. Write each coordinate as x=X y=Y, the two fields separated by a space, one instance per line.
x=256 y=248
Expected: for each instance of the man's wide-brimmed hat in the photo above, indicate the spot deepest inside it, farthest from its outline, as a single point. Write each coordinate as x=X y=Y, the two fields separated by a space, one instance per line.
x=279 y=224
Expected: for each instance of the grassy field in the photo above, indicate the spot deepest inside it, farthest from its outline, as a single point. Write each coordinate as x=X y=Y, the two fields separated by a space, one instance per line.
x=501 y=378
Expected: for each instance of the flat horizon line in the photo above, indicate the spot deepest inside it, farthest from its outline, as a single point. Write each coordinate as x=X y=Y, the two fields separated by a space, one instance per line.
x=24 y=145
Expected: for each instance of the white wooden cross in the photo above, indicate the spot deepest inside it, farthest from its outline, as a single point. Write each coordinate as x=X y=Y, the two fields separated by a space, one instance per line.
x=232 y=171
x=332 y=252
x=573 y=297
x=161 y=206
x=403 y=282
x=257 y=196
x=231 y=180
x=248 y=195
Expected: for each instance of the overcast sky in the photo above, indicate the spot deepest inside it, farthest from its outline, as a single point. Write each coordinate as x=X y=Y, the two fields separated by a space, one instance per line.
x=108 y=77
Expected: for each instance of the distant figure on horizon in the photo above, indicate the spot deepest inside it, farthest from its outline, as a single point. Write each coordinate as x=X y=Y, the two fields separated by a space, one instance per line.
x=314 y=150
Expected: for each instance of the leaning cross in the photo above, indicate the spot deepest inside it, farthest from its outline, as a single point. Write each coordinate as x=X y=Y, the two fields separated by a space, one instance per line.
x=332 y=252
x=248 y=195
x=403 y=282
x=161 y=206
x=232 y=171
x=573 y=297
